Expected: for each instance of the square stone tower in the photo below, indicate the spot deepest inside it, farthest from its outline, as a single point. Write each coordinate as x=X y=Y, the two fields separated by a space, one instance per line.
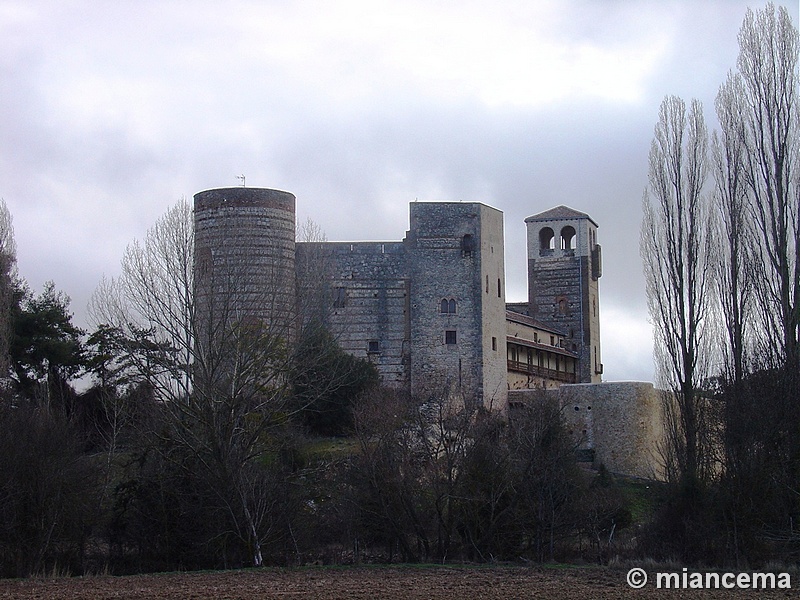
x=564 y=265
x=457 y=304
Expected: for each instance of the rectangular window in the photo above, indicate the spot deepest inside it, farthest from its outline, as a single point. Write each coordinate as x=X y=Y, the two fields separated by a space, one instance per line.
x=373 y=347
x=449 y=337
x=494 y=344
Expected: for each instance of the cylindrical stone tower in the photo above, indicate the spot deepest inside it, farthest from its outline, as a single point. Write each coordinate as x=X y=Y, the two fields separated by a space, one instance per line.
x=244 y=260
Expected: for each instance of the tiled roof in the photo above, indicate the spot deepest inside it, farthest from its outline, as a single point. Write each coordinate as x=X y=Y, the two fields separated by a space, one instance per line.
x=559 y=213
x=530 y=322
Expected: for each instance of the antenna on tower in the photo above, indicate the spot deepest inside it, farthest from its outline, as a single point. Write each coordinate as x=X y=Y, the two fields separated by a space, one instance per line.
x=242 y=178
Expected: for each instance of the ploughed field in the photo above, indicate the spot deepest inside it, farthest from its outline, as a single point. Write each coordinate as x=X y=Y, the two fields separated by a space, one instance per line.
x=430 y=583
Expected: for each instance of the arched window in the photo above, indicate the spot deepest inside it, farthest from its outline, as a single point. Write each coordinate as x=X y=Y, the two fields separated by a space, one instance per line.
x=562 y=305
x=568 y=238
x=447 y=307
x=467 y=245
x=546 y=239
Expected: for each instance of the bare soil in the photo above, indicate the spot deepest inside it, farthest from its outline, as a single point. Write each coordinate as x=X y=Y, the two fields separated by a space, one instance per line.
x=429 y=583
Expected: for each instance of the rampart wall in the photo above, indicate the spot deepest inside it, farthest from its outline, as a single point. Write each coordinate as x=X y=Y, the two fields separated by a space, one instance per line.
x=621 y=423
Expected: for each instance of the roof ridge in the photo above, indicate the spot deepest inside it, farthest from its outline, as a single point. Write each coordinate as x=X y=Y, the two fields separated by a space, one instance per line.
x=559 y=212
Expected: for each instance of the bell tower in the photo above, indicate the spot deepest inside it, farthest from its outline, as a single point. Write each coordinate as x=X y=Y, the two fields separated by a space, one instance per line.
x=564 y=266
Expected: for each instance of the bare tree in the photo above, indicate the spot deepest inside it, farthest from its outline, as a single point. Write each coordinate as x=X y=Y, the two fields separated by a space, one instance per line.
x=547 y=485
x=735 y=265
x=768 y=66
x=412 y=462
x=8 y=260
x=389 y=474
x=758 y=175
x=152 y=303
x=219 y=373
x=677 y=263
x=314 y=267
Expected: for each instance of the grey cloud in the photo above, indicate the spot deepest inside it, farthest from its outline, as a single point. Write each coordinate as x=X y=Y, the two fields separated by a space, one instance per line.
x=354 y=158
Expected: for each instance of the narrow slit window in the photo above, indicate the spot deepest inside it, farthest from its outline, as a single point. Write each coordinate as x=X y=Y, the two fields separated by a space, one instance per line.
x=341 y=298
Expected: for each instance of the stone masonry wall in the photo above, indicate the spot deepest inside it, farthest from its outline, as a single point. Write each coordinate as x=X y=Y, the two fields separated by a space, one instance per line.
x=444 y=264
x=383 y=301
x=367 y=298
x=493 y=307
x=622 y=422
x=563 y=290
x=244 y=256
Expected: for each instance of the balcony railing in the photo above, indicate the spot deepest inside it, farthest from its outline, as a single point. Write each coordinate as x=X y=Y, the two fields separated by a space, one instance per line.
x=521 y=367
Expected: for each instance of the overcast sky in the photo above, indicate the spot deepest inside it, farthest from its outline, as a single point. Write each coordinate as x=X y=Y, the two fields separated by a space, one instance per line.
x=111 y=111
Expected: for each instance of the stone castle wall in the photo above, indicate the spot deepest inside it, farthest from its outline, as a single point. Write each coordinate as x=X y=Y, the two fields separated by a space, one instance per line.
x=382 y=301
x=563 y=289
x=620 y=422
x=366 y=296
x=428 y=311
x=244 y=257
x=455 y=253
x=495 y=354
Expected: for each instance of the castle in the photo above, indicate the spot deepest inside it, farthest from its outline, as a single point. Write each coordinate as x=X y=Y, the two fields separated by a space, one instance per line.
x=429 y=311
